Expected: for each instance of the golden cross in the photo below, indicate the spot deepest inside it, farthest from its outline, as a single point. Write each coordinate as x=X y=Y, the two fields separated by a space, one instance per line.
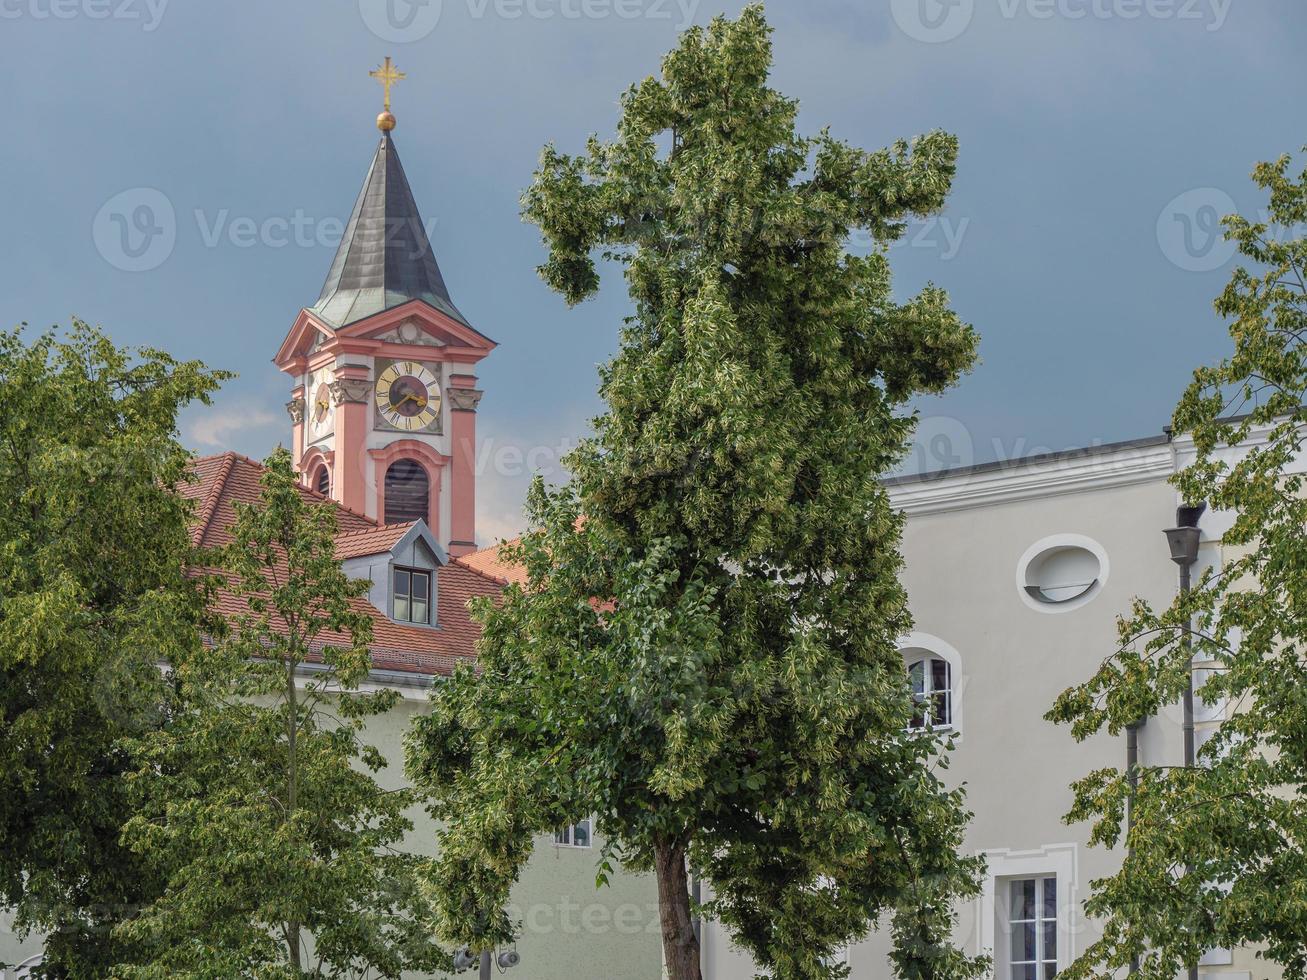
x=387 y=75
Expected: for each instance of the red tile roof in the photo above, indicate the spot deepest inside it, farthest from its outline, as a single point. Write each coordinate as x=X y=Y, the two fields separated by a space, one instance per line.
x=219 y=481
x=489 y=562
x=373 y=541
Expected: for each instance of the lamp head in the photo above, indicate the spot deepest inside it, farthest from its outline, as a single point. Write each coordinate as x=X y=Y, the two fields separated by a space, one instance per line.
x=1183 y=539
x=464 y=959
x=1184 y=544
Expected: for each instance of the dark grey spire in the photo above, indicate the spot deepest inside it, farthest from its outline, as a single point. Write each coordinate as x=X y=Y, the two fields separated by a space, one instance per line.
x=385 y=258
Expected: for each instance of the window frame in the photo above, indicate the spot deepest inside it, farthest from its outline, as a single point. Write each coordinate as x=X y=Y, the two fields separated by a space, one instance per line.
x=916 y=646
x=396 y=594
x=1059 y=861
x=930 y=696
x=566 y=836
x=1042 y=924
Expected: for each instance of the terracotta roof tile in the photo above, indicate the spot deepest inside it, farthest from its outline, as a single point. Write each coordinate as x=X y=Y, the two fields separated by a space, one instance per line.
x=489 y=562
x=373 y=541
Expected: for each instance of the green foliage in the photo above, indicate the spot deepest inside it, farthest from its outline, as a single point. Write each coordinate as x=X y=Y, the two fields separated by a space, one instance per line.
x=1218 y=850
x=258 y=802
x=705 y=652
x=93 y=543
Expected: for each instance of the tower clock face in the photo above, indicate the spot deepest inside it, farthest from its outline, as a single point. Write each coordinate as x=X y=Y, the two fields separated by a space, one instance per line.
x=320 y=408
x=408 y=396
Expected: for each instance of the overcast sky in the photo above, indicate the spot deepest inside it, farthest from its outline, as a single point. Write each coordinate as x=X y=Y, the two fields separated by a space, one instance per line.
x=177 y=170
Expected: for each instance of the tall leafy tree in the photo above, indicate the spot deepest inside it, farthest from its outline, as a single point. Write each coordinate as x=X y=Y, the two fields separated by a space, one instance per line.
x=704 y=654
x=259 y=802
x=1218 y=850
x=93 y=547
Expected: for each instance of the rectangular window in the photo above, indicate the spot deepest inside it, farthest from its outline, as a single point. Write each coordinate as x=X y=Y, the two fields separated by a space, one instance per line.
x=932 y=693
x=412 y=596
x=574 y=835
x=1032 y=935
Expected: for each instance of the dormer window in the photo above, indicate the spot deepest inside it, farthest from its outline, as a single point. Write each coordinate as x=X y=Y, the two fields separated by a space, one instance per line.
x=412 y=596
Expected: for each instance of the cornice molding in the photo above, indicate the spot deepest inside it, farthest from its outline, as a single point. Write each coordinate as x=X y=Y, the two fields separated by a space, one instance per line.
x=1036 y=478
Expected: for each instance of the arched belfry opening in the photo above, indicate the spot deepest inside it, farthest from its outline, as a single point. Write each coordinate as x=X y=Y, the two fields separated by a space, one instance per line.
x=408 y=493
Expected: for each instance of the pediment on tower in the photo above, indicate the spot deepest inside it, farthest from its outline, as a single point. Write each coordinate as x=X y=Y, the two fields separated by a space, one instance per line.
x=417 y=324
x=307 y=335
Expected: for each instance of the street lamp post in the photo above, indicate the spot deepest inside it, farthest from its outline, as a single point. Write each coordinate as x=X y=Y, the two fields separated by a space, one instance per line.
x=1183 y=541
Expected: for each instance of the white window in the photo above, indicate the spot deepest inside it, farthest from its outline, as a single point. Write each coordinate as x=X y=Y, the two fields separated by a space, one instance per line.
x=574 y=835
x=932 y=691
x=1032 y=928
x=935 y=676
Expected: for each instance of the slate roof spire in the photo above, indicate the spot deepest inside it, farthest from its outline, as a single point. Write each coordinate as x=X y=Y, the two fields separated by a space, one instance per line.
x=385 y=258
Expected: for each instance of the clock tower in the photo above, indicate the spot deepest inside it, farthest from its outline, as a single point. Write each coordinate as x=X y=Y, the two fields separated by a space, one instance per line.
x=383 y=395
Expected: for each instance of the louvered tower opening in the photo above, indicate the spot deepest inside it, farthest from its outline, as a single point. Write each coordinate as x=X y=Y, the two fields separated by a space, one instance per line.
x=408 y=493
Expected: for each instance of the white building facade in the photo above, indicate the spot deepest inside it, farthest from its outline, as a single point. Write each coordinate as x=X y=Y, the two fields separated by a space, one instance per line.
x=1016 y=574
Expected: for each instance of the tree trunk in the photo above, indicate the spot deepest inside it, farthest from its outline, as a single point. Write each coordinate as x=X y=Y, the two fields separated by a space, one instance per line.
x=680 y=944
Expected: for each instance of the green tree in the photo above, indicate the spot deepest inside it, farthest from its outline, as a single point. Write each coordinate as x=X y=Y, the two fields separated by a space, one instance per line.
x=93 y=547
x=258 y=802
x=705 y=652
x=1218 y=850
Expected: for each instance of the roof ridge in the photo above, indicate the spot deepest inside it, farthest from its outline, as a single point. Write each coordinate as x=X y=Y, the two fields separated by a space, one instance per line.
x=374 y=530
x=210 y=505
x=230 y=455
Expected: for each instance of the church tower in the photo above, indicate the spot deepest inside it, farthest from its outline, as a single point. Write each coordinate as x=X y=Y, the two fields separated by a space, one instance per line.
x=383 y=395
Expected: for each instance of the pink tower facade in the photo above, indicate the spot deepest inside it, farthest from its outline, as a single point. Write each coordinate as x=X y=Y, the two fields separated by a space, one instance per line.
x=383 y=387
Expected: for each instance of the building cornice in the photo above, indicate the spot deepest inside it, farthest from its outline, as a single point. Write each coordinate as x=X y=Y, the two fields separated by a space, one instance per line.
x=1036 y=477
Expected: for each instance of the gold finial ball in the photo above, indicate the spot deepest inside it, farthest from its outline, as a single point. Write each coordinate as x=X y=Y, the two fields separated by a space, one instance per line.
x=385 y=122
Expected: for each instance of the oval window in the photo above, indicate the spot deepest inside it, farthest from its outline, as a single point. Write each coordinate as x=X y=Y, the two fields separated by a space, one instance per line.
x=1061 y=573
